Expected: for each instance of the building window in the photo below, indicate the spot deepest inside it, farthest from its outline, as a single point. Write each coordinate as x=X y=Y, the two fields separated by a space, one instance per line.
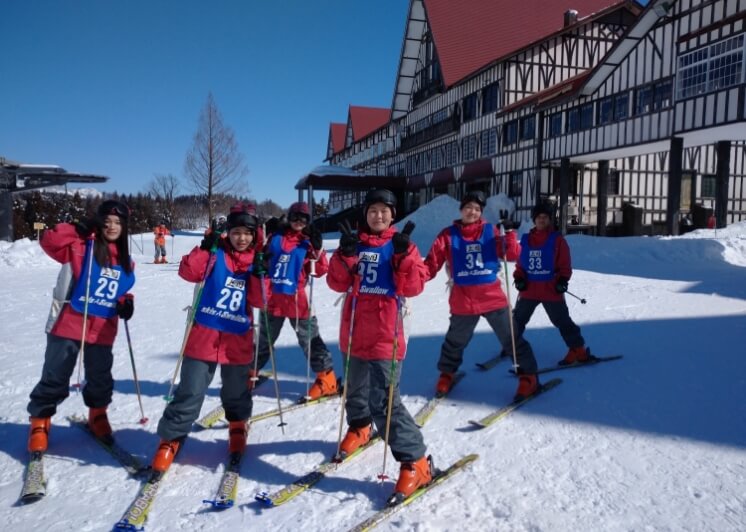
x=586 y=116
x=573 y=120
x=614 y=182
x=555 y=125
x=516 y=185
x=469 y=148
x=621 y=106
x=488 y=142
x=605 y=111
x=510 y=133
x=711 y=68
x=708 y=186
x=489 y=98
x=662 y=95
x=470 y=107
x=528 y=127
x=643 y=100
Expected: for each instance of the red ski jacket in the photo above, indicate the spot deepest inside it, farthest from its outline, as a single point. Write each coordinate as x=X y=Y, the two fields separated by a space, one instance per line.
x=296 y=306
x=474 y=299
x=64 y=245
x=544 y=290
x=375 y=315
x=211 y=345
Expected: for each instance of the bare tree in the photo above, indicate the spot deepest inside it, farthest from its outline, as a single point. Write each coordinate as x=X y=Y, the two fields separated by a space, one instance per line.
x=163 y=188
x=214 y=165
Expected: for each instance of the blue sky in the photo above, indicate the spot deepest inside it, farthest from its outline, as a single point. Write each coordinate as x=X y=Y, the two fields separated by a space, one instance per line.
x=116 y=87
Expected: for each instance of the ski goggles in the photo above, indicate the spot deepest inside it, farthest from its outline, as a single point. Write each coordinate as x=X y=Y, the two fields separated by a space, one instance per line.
x=298 y=217
x=113 y=207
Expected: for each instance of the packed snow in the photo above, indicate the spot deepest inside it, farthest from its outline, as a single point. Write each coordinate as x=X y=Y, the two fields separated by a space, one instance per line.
x=654 y=441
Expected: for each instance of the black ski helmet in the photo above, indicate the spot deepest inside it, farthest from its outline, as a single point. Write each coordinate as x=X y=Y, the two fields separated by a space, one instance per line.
x=241 y=216
x=541 y=208
x=113 y=207
x=380 y=195
x=477 y=196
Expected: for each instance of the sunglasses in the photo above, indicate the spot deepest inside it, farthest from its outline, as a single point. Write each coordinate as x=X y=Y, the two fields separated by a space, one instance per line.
x=298 y=217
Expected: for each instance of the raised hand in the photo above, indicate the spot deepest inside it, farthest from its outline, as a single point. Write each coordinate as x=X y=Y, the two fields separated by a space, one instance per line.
x=401 y=239
x=349 y=240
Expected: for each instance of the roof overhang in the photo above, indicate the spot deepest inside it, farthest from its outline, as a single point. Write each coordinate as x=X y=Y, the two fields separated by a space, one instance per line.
x=329 y=177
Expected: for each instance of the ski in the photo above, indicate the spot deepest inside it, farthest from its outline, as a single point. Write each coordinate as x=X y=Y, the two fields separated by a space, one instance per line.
x=218 y=412
x=135 y=516
x=593 y=360
x=424 y=414
x=34 y=483
x=131 y=463
x=303 y=483
x=227 y=492
x=492 y=362
x=438 y=478
x=309 y=479
x=507 y=409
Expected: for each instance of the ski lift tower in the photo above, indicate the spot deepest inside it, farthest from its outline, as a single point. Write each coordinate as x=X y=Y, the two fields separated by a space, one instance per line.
x=20 y=177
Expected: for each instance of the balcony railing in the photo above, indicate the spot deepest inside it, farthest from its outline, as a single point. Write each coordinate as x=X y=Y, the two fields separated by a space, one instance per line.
x=430 y=133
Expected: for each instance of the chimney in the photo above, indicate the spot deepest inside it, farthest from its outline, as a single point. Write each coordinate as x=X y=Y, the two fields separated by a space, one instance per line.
x=571 y=17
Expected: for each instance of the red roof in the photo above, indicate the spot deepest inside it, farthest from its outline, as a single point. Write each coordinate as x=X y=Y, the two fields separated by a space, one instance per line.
x=470 y=34
x=366 y=120
x=550 y=93
x=337 y=136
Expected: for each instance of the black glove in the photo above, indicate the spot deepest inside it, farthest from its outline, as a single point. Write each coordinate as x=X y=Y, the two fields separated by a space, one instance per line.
x=209 y=241
x=520 y=284
x=314 y=235
x=259 y=266
x=126 y=307
x=348 y=241
x=561 y=285
x=401 y=240
x=275 y=224
x=87 y=226
x=508 y=224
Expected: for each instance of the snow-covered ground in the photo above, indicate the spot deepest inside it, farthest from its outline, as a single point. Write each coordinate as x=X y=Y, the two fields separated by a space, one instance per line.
x=655 y=441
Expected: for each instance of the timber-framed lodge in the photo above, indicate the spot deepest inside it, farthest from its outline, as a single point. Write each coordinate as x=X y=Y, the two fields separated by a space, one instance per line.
x=629 y=118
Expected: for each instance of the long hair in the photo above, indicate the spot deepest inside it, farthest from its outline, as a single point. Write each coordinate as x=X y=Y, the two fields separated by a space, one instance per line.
x=101 y=247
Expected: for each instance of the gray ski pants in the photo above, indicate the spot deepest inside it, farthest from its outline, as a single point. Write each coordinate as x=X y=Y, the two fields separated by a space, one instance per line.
x=367 y=399
x=461 y=330
x=558 y=314
x=60 y=359
x=195 y=378
x=321 y=358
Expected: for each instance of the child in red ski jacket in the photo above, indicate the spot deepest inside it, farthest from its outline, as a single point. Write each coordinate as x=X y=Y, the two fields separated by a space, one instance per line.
x=220 y=333
x=90 y=297
x=541 y=277
x=292 y=251
x=376 y=268
x=472 y=248
x=159 y=240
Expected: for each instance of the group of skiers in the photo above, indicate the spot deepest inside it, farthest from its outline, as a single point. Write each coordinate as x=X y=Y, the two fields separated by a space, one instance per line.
x=249 y=266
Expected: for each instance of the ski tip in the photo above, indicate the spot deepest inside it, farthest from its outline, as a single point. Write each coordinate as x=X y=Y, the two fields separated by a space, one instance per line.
x=124 y=525
x=476 y=424
x=219 y=504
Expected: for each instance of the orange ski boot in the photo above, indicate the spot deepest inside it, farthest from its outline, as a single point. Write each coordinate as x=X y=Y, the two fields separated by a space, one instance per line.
x=98 y=422
x=412 y=475
x=38 y=436
x=354 y=439
x=445 y=381
x=165 y=454
x=576 y=355
x=527 y=386
x=237 y=433
x=325 y=384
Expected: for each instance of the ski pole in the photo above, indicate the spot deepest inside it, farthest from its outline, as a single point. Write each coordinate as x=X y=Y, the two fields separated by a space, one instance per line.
x=265 y=304
x=582 y=300
x=392 y=385
x=190 y=320
x=143 y=419
x=81 y=353
x=311 y=275
x=353 y=305
x=507 y=293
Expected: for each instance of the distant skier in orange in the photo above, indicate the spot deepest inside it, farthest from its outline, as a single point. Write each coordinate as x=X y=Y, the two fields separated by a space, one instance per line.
x=160 y=232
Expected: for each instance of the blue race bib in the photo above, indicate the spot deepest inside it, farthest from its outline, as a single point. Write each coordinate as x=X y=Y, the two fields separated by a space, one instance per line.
x=538 y=262
x=285 y=267
x=474 y=262
x=223 y=303
x=108 y=284
x=375 y=270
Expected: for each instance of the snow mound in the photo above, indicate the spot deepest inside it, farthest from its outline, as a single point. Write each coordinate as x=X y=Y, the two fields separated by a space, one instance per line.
x=23 y=253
